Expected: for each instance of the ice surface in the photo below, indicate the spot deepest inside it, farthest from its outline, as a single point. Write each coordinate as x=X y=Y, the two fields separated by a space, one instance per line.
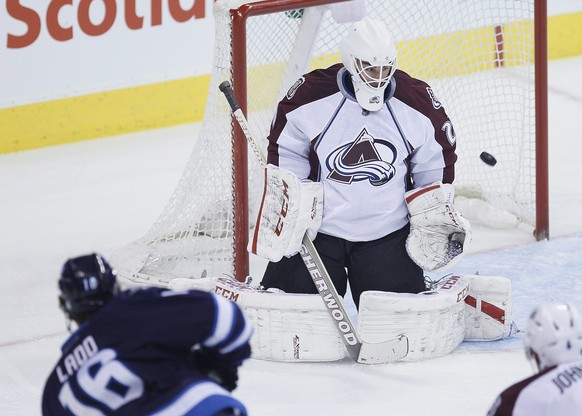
x=99 y=195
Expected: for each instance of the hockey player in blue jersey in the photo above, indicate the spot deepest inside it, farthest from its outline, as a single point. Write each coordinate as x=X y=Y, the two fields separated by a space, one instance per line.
x=145 y=351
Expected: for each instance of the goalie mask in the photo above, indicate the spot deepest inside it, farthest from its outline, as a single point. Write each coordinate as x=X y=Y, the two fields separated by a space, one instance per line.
x=553 y=335
x=370 y=57
x=86 y=284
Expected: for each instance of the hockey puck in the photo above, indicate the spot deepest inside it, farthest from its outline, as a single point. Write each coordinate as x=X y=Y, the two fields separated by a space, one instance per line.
x=488 y=158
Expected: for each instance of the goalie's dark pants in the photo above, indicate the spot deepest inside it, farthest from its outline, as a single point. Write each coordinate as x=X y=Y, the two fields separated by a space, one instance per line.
x=381 y=264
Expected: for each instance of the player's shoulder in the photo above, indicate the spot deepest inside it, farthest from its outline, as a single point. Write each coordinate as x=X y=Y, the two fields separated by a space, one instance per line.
x=313 y=86
x=137 y=304
x=406 y=80
x=528 y=396
x=415 y=92
x=324 y=75
x=136 y=297
x=506 y=401
x=160 y=292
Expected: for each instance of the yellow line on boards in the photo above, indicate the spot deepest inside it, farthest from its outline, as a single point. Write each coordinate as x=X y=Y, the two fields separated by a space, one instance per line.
x=103 y=114
x=565 y=36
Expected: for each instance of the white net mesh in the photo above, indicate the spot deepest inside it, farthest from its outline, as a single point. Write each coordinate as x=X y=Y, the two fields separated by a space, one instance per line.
x=477 y=55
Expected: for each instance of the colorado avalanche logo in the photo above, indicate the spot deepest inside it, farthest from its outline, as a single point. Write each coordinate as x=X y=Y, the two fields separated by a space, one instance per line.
x=364 y=159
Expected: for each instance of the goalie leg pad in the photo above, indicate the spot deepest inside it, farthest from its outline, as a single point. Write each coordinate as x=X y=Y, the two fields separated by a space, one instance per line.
x=433 y=321
x=292 y=327
x=488 y=309
x=287 y=327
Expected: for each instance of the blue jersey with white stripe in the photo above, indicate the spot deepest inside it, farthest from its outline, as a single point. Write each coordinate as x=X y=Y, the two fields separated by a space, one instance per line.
x=134 y=356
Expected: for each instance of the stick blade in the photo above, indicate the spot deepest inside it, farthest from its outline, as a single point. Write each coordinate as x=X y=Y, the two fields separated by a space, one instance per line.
x=388 y=351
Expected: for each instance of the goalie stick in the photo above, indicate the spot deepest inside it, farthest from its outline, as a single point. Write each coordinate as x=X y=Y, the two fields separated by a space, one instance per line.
x=362 y=352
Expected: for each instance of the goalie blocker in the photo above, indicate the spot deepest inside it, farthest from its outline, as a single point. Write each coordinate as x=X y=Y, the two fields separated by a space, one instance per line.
x=290 y=208
x=297 y=327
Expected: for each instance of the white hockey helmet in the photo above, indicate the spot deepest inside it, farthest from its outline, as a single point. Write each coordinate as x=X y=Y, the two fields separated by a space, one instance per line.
x=369 y=55
x=553 y=335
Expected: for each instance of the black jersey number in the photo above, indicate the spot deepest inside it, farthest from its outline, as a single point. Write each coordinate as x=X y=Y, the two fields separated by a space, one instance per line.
x=105 y=379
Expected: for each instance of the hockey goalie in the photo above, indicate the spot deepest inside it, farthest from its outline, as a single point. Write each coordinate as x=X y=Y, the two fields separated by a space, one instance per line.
x=358 y=190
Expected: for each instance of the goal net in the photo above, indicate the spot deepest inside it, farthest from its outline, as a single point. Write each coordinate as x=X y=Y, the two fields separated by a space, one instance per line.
x=477 y=55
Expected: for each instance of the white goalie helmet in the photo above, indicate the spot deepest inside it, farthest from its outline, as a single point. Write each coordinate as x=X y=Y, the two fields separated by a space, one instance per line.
x=553 y=335
x=369 y=55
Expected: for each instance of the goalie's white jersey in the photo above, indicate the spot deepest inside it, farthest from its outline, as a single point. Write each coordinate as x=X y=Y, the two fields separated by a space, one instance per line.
x=365 y=160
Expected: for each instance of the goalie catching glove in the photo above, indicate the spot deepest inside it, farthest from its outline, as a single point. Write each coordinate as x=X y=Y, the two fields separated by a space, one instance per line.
x=438 y=233
x=289 y=209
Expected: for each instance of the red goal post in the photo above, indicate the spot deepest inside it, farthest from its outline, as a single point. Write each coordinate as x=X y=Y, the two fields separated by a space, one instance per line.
x=239 y=84
x=485 y=60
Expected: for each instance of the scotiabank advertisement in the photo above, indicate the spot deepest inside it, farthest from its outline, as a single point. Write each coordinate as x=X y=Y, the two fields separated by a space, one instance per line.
x=51 y=49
